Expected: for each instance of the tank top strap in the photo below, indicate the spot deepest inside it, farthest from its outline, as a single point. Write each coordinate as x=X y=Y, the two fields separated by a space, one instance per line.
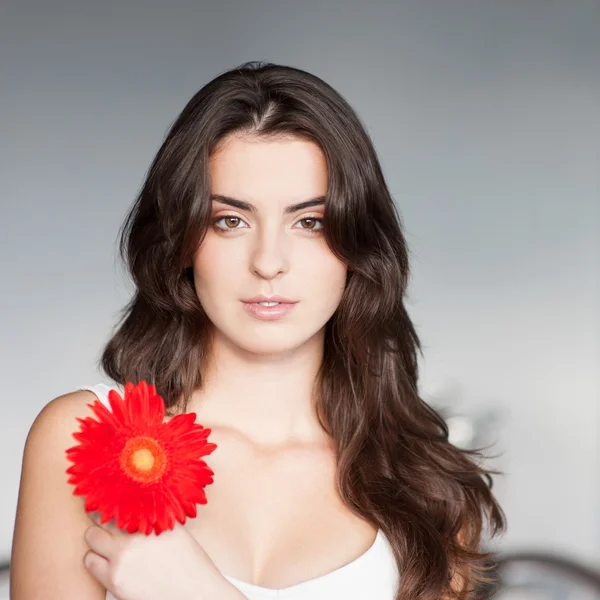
x=101 y=391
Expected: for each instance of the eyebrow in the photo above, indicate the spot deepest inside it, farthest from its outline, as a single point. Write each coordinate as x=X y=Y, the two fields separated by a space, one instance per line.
x=292 y=208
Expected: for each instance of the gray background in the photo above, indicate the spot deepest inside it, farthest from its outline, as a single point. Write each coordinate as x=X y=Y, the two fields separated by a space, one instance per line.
x=485 y=117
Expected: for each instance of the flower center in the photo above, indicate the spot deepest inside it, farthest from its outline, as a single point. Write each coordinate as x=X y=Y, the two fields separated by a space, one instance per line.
x=143 y=459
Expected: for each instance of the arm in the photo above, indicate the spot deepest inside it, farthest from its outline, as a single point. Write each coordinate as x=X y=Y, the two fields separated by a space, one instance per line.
x=50 y=540
x=48 y=544
x=140 y=567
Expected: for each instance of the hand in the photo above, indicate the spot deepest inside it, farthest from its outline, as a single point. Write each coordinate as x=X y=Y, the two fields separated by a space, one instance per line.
x=140 y=567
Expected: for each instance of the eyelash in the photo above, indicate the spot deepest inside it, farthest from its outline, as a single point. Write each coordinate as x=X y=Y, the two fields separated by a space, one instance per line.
x=230 y=229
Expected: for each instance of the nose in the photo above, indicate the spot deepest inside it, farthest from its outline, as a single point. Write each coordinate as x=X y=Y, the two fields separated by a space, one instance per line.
x=270 y=253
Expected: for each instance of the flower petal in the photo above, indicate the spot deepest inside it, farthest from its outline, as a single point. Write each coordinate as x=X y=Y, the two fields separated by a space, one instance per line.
x=114 y=490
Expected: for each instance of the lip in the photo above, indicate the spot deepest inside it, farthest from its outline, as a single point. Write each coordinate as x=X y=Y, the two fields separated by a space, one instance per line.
x=268 y=313
x=263 y=298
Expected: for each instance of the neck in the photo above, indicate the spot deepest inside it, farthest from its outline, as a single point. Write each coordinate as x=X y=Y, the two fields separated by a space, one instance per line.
x=269 y=398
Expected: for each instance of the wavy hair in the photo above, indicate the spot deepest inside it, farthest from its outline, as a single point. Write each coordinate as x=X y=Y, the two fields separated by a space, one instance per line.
x=395 y=464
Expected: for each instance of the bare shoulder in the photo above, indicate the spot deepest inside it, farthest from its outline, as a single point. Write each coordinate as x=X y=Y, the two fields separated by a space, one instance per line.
x=48 y=544
x=51 y=433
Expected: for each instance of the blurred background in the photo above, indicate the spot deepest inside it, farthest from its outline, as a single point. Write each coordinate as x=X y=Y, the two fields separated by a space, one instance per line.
x=485 y=116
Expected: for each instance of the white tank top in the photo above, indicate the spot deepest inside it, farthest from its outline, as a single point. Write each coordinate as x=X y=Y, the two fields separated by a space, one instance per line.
x=371 y=576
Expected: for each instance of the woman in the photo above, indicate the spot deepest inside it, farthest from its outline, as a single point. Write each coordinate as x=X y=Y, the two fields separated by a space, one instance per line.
x=333 y=479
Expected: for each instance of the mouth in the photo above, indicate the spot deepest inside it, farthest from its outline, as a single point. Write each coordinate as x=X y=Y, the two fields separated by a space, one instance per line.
x=261 y=299
x=267 y=310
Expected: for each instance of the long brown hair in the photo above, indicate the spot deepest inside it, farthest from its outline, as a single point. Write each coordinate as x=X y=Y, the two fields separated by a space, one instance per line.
x=396 y=466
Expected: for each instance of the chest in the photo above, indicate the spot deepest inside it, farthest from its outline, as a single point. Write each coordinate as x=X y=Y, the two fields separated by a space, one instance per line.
x=275 y=519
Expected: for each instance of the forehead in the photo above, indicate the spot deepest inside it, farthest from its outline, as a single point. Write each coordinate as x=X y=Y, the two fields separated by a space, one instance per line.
x=260 y=169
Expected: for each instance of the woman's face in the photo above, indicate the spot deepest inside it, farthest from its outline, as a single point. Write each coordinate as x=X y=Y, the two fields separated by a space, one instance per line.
x=267 y=247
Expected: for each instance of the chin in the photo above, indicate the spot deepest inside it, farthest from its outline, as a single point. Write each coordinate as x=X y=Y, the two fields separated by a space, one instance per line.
x=269 y=345
x=261 y=341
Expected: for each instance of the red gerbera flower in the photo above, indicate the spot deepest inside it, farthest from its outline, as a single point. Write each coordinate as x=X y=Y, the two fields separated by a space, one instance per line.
x=133 y=467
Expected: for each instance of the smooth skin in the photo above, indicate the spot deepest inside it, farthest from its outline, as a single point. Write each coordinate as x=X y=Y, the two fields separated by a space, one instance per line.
x=60 y=552
x=273 y=517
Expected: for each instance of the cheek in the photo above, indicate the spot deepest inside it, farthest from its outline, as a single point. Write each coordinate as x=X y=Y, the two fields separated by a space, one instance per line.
x=336 y=281
x=324 y=276
x=213 y=268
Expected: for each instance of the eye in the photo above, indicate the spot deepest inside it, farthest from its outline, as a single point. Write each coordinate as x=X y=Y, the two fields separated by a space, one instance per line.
x=312 y=222
x=229 y=220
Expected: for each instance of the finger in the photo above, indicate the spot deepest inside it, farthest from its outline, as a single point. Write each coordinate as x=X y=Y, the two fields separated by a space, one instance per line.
x=98 y=567
x=100 y=541
x=95 y=517
x=109 y=525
